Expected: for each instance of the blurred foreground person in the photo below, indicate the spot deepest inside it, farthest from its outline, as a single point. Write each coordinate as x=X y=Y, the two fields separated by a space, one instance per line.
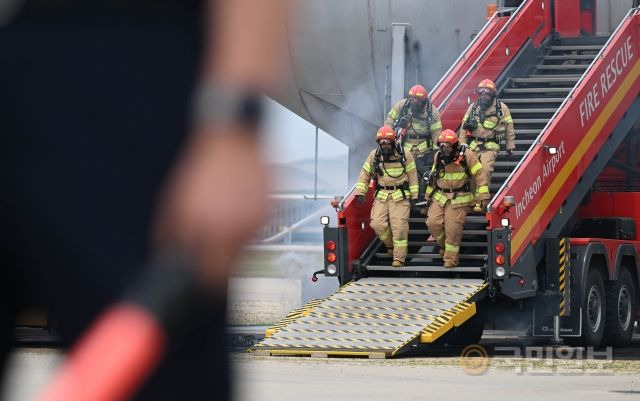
x=130 y=177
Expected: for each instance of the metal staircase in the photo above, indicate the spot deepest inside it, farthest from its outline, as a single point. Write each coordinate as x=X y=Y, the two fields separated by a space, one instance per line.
x=532 y=98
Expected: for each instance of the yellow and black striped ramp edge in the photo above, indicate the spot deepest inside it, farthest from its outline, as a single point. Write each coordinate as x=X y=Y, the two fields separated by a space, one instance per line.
x=291 y=316
x=375 y=317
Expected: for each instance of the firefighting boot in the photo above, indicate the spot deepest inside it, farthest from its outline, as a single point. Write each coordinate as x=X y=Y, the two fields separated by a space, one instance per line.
x=397 y=263
x=390 y=251
x=441 y=252
x=477 y=208
x=450 y=261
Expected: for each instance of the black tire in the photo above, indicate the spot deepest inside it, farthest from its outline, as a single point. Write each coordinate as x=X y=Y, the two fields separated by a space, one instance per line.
x=593 y=310
x=470 y=332
x=621 y=296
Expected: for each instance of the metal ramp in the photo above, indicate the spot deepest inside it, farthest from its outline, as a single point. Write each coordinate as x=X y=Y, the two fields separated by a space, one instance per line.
x=374 y=317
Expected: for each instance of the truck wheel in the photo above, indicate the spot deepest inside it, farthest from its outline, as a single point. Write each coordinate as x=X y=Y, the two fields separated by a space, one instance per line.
x=593 y=310
x=620 y=310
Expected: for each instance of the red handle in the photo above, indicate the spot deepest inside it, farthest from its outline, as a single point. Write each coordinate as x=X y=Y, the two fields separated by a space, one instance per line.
x=113 y=358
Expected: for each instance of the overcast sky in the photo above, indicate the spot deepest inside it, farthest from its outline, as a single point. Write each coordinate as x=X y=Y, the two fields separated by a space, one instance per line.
x=291 y=138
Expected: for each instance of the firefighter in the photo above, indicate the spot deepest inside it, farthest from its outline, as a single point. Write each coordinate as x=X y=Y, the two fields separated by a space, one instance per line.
x=393 y=172
x=419 y=121
x=487 y=124
x=449 y=189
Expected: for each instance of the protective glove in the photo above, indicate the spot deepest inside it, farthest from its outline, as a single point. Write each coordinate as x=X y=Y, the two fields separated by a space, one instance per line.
x=480 y=206
x=361 y=199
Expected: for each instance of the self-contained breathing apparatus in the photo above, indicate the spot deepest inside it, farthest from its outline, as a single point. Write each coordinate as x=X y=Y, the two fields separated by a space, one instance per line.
x=378 y=170
x=439 y=162
x=407 y=115
x=477 y=116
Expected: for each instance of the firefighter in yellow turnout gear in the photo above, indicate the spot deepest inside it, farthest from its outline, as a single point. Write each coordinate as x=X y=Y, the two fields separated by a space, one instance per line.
x=393 y=172
x=486 y=124
x=449 y=190
x=420 y=121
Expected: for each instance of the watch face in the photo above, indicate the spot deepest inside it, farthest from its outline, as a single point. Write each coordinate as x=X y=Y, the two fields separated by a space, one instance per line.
x=251 y=109
x=219 y=104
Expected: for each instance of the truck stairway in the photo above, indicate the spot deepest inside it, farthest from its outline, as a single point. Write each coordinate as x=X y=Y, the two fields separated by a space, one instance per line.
x=532 y=98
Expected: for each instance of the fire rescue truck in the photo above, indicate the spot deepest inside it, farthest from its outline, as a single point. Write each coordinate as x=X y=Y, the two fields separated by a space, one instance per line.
x=556 y=254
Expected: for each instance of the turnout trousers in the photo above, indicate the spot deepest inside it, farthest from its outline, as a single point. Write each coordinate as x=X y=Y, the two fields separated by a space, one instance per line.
x=390 y=221
x=445 y=223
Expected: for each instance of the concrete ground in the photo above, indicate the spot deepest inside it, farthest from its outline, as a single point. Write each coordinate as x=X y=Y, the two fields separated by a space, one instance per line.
x=28 y=371
x=443 y=375
x=286 y=378
x=273 y=282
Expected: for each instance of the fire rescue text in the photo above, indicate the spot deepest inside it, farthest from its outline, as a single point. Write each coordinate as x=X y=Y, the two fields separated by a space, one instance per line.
x=614 y=69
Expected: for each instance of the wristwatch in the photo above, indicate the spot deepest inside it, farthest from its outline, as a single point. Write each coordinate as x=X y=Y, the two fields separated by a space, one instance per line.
x=223 y=104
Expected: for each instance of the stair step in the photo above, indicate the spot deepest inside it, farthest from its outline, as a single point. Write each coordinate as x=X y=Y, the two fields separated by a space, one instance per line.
x=500 y=175
x=478 y=256
x=511 y=164
x=503 y=157
x=536 y=90
x=574 y=47
x=470 y=219
x=570 y=57
x=530 y=121
x=532 y=100
x=464 y=232
x=582 y=41
x=554 y=75
x=532 y=110
x=424 y=268
x=525 y=142
x=527 y=131
x=516 y=154
x=562 y=66
x=433 y=243
x=537 y=80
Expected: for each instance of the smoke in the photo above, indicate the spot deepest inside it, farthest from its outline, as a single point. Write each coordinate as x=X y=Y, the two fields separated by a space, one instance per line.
x=301 y=265
x=504 y=316
x=342 y=62
x=271 y=281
